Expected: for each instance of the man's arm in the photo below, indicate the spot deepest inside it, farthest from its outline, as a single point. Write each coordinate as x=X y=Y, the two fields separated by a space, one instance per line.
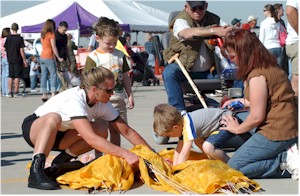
x=292 y=16
x=22 y=52
x=204 y=32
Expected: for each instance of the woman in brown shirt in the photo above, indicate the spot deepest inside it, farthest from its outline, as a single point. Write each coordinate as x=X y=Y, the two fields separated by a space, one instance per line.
x=273 y=110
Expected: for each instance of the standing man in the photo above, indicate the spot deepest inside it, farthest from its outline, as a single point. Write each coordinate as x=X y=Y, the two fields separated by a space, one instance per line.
x=292 y=40
x=252 y=21
x=195 y=54
x=62 y=47
x=16 y=58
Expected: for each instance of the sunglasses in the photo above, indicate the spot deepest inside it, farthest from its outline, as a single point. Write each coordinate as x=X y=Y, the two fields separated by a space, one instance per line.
x=194 y=9
x=108 y=91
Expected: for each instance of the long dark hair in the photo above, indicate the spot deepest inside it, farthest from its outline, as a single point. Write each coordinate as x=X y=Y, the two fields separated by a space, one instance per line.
x=272 y=10
x=250 y=52
x=5 y=32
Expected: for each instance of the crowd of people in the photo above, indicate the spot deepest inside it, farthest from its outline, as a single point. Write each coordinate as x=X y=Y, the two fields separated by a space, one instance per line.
x=79 y=119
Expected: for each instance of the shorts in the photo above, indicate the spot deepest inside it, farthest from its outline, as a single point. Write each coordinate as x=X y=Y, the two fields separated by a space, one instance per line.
x=26 y=126
x=15 y=70
x=292 y=53
x=219 y=138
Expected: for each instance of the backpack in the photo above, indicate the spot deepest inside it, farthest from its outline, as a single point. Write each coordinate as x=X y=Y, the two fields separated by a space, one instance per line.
x=282 y=35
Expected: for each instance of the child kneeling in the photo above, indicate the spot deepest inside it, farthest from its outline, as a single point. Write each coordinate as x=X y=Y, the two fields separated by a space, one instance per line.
x=199 y=124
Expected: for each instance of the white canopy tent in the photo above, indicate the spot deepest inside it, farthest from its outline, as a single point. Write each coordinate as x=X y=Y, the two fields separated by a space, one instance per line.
x=138 y=16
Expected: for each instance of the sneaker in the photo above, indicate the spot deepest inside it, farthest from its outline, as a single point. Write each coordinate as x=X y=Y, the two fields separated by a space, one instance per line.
x=10 y=95
x=19 y=95
x=33 y=91
x=292 y=162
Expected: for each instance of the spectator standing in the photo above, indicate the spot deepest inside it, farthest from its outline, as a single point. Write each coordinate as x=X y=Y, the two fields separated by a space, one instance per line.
x=252 y=22
x=149 y=48
x=269 y=32
x=14 y=46
x=33 y=73
x=48 y=54
x=4 y=63
x=92 y=43
x=195 y=54
x=236 y=22
x=71 y=47
x=273 y=111
x=67 y=123
x=106 y=55
x=292 y=41
x=61 y=39
x=280 y=13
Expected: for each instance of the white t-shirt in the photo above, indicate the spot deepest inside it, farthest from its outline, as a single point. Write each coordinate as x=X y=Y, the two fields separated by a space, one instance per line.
x=269 y=33
x=114 y=62
x=292 y=35
x=71 y=104
x=203 y=62
x=32 y=72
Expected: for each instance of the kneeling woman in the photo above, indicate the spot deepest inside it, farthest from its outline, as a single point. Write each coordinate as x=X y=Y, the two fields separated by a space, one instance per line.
x=69 y=122
x=273 y=110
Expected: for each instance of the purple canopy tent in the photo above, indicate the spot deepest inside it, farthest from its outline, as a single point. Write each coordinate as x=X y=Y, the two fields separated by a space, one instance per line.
x=77 y=18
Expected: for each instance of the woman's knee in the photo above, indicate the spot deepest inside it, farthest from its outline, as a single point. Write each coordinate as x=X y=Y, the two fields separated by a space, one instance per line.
x=52 y=120
x=233 y=163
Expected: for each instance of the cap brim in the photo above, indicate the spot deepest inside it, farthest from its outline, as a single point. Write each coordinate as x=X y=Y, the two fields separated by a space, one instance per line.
x=196 y=3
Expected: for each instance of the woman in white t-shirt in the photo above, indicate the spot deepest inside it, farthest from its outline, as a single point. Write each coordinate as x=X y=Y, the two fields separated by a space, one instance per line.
x=269 y=32
x=67 y=122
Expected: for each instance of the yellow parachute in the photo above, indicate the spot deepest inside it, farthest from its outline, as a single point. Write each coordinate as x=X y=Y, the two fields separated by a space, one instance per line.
x=192 y=177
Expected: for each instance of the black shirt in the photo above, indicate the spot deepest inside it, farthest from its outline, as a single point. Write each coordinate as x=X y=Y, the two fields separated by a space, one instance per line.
x=12 y=45
x=61 y=44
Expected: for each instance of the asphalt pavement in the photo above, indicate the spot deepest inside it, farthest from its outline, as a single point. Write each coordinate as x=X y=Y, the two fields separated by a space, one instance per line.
x=16 y=153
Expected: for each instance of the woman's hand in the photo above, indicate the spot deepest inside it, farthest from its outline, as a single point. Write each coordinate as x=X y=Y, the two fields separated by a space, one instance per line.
x=60 y=59
x=133 y=160
x=229 y=123
x=227 y=103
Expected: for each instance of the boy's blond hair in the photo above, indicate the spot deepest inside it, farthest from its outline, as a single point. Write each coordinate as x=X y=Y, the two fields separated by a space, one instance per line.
x=165 y=117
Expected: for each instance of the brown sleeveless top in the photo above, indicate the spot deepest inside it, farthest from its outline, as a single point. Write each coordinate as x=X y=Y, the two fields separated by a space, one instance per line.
x=281 y=121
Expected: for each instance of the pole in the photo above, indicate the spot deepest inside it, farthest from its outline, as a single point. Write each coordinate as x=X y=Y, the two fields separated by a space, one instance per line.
x=188 y=77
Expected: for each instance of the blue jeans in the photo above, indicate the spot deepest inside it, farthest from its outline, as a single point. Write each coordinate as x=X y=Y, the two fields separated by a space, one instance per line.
x=173 y=77
x=48 y=66
x=259 y=157
x=277 y=52
x=33 y=82
x=4 y=76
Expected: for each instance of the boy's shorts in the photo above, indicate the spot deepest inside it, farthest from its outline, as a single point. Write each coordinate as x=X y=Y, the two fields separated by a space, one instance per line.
x=26 y=126
x=219 y=138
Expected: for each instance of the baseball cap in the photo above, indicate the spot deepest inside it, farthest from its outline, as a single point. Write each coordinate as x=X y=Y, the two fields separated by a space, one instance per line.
x=250 y=18
x=235 y=20
x=196 y=3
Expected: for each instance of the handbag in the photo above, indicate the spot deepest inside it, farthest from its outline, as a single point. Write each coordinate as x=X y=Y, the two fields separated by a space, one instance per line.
x=282 y=35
